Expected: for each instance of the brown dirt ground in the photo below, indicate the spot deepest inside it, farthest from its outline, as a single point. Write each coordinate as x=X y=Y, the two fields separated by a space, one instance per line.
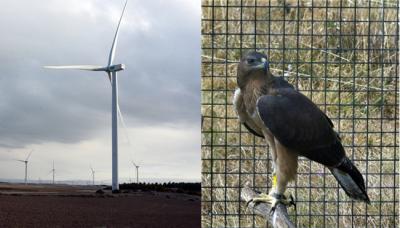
x=66 y=206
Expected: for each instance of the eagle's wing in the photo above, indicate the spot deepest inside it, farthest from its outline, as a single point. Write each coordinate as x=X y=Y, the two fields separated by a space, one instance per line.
x=300 y=125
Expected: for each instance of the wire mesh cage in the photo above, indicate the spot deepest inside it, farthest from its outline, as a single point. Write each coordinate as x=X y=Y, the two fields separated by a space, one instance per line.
x=343 y=55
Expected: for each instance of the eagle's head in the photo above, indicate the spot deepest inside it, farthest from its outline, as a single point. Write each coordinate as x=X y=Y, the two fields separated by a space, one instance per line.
x=252 y=63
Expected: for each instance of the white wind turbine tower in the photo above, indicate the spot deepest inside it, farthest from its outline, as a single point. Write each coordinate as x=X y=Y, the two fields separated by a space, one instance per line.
x=137 y=171
x=91 y=168
x=111 y=69
x=26 y=166
x=53 y=170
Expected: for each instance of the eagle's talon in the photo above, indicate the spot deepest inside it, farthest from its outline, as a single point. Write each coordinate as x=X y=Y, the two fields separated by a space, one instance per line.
x=274 y=199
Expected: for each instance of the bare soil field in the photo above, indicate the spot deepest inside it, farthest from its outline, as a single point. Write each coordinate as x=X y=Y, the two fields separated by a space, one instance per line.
x=80 y=206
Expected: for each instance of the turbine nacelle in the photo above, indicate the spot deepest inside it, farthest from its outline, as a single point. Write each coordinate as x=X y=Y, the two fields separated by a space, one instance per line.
x=117 y=67
x=112 y=68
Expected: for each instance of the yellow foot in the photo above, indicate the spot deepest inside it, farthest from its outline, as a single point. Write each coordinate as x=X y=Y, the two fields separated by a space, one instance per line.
x=274 y=199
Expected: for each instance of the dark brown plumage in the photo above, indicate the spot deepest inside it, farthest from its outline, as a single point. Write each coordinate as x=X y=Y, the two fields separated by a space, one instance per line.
x=292 y=125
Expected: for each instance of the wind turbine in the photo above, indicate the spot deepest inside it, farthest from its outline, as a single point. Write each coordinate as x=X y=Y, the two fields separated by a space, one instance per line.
x=111 y=69
x=91 y=168
x=26 y=166
x=137 y=171
x=53 y=170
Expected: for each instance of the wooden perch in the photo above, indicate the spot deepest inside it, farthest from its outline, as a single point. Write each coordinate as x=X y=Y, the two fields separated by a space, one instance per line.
x=278 y=219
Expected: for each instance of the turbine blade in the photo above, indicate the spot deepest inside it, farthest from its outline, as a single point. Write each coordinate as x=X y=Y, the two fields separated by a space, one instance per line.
x=29 y=155
x=114 y=44
x=78 y=67
x=19 y=160
x=109 y=76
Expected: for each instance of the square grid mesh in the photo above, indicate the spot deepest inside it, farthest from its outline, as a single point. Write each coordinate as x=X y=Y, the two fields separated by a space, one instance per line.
x=341 y=54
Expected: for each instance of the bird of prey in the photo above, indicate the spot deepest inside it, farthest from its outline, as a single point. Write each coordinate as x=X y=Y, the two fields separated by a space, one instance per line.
x=293 y=126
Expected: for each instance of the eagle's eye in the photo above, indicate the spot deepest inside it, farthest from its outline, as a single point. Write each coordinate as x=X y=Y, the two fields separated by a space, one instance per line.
x=251 y=60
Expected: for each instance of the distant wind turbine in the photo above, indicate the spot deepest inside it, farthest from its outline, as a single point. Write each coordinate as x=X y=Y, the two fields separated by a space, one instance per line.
x=91 y=168
x=111 y=70
x=26 y=166
x=53 y=170
x=137 y=171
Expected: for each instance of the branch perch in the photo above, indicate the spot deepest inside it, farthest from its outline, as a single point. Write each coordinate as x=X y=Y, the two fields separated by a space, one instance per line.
x=278 y=219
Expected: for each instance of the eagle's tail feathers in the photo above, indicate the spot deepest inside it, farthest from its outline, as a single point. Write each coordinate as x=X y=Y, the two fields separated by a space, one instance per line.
x=351 y=180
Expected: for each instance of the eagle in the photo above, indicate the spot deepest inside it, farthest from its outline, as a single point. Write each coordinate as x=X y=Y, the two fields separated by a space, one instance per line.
x=292 y=125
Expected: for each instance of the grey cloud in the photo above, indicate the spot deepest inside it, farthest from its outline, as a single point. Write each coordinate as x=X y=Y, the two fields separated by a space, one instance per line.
x=160 y=86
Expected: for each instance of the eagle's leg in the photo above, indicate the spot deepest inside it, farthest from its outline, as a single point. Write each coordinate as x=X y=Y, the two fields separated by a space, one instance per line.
x=284 y=164
x=286 y=169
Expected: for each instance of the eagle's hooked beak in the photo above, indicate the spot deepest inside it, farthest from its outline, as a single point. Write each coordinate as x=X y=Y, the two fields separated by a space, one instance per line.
x=265 y=64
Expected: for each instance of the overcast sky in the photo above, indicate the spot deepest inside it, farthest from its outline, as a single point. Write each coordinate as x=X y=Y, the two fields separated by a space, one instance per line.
x=65 y=115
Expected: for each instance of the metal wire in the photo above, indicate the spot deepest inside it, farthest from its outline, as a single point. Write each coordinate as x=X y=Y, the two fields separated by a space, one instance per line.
x=341 y=54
